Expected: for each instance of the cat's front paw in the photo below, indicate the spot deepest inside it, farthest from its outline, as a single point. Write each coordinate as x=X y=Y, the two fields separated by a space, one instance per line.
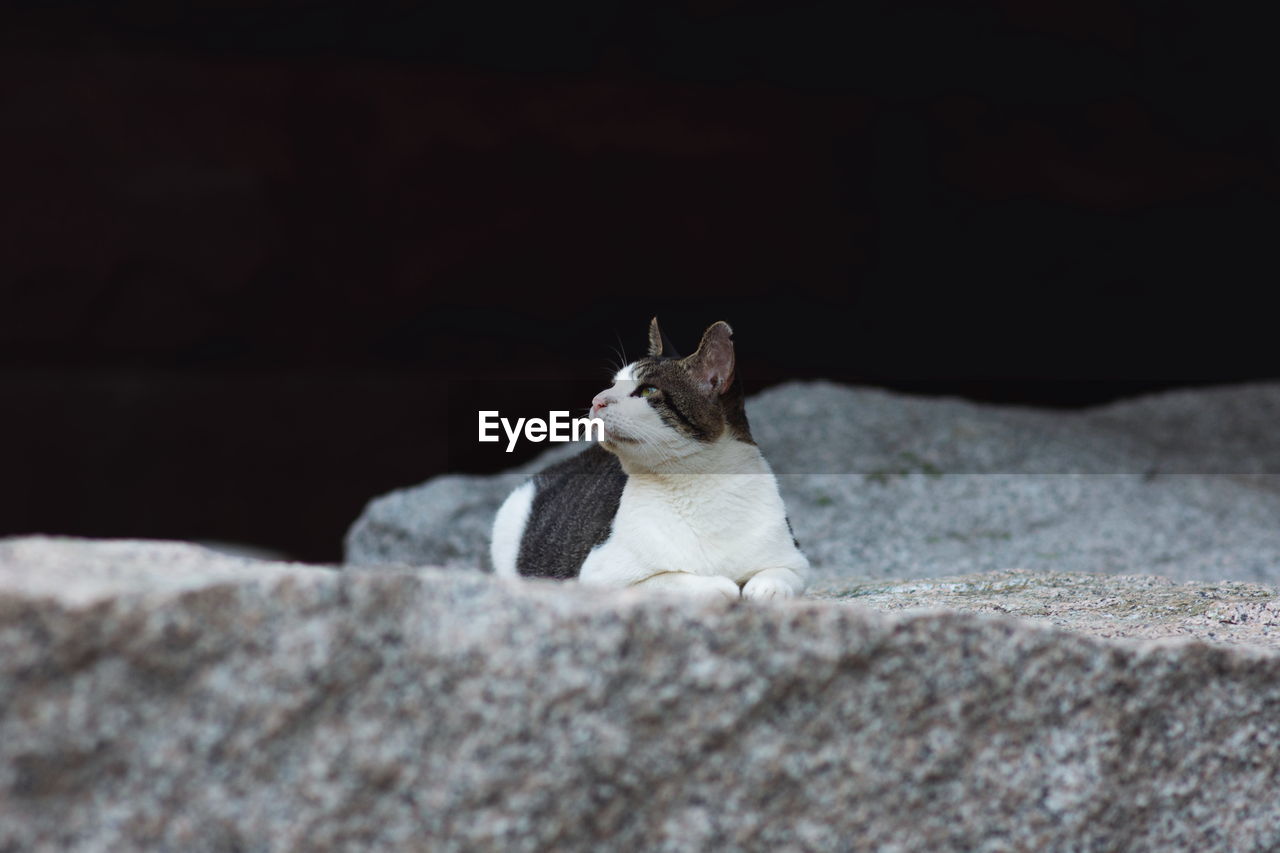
x=705 y=587
x=708 y=588
x=764 y=587
x=718 y=586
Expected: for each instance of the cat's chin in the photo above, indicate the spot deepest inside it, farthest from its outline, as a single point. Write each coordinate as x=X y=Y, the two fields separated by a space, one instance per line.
x=628 y=451
x=610 y=440
x=613 y=444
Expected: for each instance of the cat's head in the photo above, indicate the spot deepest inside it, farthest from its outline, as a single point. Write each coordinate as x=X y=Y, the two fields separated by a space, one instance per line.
x=664 y=408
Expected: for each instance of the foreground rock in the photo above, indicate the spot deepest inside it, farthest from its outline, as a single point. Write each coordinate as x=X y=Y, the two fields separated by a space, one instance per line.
x=159 y=696
x=1185 y=485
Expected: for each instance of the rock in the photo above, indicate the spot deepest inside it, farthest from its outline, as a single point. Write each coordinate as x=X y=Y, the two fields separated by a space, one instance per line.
x=1116 y=606
x=882 y=485
x=159 y=696
x=445 y=522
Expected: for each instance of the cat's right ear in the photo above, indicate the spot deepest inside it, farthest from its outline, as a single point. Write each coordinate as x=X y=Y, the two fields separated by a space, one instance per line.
x=660 y=344
x=655 y=339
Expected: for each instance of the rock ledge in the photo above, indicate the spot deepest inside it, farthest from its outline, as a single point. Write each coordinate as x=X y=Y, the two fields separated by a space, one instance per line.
x=155 y=695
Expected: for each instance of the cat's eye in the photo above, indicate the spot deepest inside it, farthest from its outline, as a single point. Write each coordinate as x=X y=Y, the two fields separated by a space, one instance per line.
x=646 y=391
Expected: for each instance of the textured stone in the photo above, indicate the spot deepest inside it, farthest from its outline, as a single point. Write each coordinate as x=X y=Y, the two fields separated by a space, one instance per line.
x=879 y=485
x=159 y=696
x=1120 y=606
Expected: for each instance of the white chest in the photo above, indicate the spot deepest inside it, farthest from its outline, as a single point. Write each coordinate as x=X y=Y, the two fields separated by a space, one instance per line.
x=730 y=525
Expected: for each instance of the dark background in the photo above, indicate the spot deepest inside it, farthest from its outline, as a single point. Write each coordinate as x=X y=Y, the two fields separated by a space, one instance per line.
x=262 y=261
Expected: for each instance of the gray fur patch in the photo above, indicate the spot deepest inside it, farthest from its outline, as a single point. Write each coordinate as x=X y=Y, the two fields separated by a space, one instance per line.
x=574 y=505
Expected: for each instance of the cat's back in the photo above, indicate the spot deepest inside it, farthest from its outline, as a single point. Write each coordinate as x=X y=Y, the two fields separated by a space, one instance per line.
x=548 y=525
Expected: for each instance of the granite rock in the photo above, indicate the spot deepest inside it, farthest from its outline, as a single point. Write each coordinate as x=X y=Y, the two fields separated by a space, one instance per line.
x=159 y=696
x=879 y=485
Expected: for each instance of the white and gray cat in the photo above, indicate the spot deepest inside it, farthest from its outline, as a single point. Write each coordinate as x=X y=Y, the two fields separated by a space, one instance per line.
x=676 y=496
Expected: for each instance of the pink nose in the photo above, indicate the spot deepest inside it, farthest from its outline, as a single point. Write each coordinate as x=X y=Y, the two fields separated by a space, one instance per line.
x=600 y=401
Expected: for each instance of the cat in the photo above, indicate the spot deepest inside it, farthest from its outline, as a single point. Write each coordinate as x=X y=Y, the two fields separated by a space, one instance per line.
x=676 y=495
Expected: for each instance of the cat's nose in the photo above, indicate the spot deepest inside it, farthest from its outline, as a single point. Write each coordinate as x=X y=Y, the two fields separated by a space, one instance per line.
x=600 y=401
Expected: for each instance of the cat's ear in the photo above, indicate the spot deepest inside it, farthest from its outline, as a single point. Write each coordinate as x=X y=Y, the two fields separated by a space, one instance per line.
x=655 y=339
x=712 y=365
x=659 y=343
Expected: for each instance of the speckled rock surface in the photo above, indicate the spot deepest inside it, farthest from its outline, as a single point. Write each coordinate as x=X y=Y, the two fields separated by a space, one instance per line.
x=156 y=696
x=1116 y=606
x=882 y=485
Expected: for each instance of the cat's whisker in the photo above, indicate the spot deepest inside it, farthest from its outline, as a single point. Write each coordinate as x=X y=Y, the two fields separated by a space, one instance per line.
x=623 y=350
x=645 y=435
x=648 y=434
x=620 y=352
x=648 y=442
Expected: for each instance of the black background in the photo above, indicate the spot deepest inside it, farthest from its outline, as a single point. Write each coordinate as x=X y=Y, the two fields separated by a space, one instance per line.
x=262 y=261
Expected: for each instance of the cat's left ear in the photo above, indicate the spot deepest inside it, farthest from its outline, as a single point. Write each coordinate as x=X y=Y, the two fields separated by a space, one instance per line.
x=712 y=365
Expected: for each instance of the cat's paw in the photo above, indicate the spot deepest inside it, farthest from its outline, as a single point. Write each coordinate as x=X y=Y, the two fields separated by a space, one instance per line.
x=703 y=587
x=719 y=586
x=763 y=587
